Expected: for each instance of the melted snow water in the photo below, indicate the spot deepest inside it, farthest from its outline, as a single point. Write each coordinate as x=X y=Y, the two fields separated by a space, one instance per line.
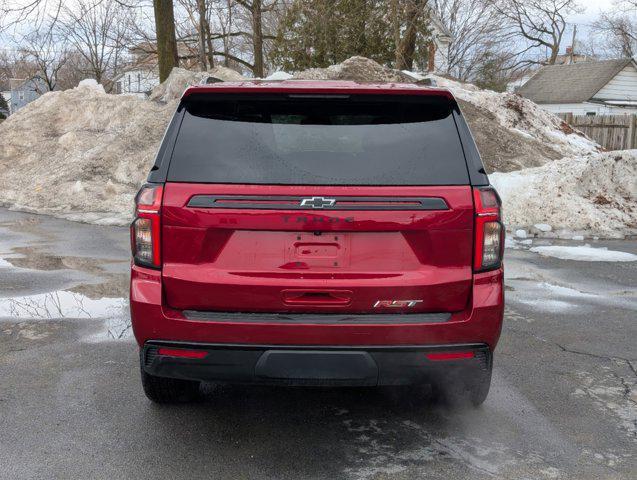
x=60 y=304
x=64 y=304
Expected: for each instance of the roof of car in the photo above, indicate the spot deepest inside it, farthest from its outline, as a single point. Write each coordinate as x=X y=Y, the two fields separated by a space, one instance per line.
x=316 y=87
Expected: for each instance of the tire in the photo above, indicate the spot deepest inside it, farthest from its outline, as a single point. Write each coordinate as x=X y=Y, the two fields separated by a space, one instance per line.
x=471 y=387
x=168 y=390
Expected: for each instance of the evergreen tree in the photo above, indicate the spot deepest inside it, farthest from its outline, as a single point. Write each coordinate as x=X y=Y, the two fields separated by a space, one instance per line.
x=318 y=33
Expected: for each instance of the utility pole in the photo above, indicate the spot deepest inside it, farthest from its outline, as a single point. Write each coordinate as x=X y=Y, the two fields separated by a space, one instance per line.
x=573 y=44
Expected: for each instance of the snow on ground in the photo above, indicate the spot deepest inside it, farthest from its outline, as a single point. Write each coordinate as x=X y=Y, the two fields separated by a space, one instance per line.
x=584 y=253
x=80 y=153
x=587 y=196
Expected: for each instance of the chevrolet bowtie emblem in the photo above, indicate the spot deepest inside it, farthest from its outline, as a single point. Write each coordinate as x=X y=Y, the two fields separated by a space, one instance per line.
x=318 y=202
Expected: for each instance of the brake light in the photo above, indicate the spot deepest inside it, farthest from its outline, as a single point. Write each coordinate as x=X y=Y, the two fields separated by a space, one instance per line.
x=145 y=231
x=489 y=232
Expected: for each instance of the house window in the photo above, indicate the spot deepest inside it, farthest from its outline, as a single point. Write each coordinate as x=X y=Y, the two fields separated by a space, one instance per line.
x=20 y=95
x=139 y=82
x=591 y=114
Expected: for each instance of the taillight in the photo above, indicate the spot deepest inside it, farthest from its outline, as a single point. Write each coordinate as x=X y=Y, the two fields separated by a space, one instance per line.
x=489 y=232
x=145 y=241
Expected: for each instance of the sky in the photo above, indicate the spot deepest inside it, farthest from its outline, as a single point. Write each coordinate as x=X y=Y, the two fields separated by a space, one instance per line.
x=591 y=10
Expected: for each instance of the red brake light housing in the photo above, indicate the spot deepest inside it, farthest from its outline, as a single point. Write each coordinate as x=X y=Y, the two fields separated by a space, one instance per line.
x=182 y=353
x=489 y=231
x=445 y=356
x=145 y=229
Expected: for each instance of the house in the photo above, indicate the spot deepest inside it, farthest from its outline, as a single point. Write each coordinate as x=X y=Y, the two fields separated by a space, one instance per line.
x=142 y=74
x=571 y=57
x=24 y=91
x=137 y=80
x=607 y=87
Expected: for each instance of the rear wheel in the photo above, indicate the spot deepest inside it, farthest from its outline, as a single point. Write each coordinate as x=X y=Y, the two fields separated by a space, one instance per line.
x=168 y=390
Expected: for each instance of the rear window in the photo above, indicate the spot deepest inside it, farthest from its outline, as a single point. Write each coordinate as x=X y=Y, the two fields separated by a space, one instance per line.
x=318 y=140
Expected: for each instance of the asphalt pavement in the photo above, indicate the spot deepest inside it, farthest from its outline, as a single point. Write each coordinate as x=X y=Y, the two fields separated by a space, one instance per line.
x=563 y=404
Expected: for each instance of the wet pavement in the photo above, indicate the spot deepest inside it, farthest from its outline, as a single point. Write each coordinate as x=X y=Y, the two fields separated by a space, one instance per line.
x=563 y=403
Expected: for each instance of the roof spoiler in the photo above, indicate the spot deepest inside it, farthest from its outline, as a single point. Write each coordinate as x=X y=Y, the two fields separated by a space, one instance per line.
x=210 y=79
x=427 y=82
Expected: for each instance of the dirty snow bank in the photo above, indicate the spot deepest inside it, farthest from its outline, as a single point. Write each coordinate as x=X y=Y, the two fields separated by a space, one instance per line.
x=595 y=195
x=357 y=69
x=80 y=153
x=527 y=136
x=180 y=78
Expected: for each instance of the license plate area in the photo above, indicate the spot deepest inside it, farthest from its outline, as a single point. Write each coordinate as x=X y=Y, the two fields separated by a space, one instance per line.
x=324 y=250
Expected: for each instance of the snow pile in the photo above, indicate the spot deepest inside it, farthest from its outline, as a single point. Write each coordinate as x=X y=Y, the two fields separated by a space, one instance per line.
x=357 y=69
x=80 y=153
x=92 y=83
x=512 y=132
x=524 y=118
x=180 y=79
x=594 y=195
x=279 y=75
x=585 y=253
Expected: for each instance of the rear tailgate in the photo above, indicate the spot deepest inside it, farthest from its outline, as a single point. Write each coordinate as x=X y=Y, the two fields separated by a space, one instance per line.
x=317 y=203
x=276 y=260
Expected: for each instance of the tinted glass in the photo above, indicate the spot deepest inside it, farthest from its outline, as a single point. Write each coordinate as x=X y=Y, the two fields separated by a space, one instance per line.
x=295 y=139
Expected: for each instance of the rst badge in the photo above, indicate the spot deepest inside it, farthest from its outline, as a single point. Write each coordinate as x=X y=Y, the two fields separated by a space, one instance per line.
x=396 y=303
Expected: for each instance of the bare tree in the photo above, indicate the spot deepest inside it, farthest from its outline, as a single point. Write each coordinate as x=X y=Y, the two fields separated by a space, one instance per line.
x=97 y=30
x=537 y=24
x=73 y=70
x=204 y=35
x=618 y=28
x=198 y=15
x=47 y=52
x=477 y=32
x=34 y=12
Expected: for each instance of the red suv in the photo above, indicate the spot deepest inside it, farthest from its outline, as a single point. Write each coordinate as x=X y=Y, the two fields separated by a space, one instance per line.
x=317 y=233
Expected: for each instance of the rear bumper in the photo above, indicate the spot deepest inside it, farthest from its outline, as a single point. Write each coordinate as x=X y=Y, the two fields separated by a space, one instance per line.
x=479 y=323
x=324 y=366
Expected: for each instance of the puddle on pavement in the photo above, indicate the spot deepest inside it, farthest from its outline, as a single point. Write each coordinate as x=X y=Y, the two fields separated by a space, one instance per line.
x=60 y=304
x=72 y=305
x=103 y=300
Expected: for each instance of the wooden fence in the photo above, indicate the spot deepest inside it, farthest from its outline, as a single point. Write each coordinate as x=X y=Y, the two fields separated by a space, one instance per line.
x=613 y=132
